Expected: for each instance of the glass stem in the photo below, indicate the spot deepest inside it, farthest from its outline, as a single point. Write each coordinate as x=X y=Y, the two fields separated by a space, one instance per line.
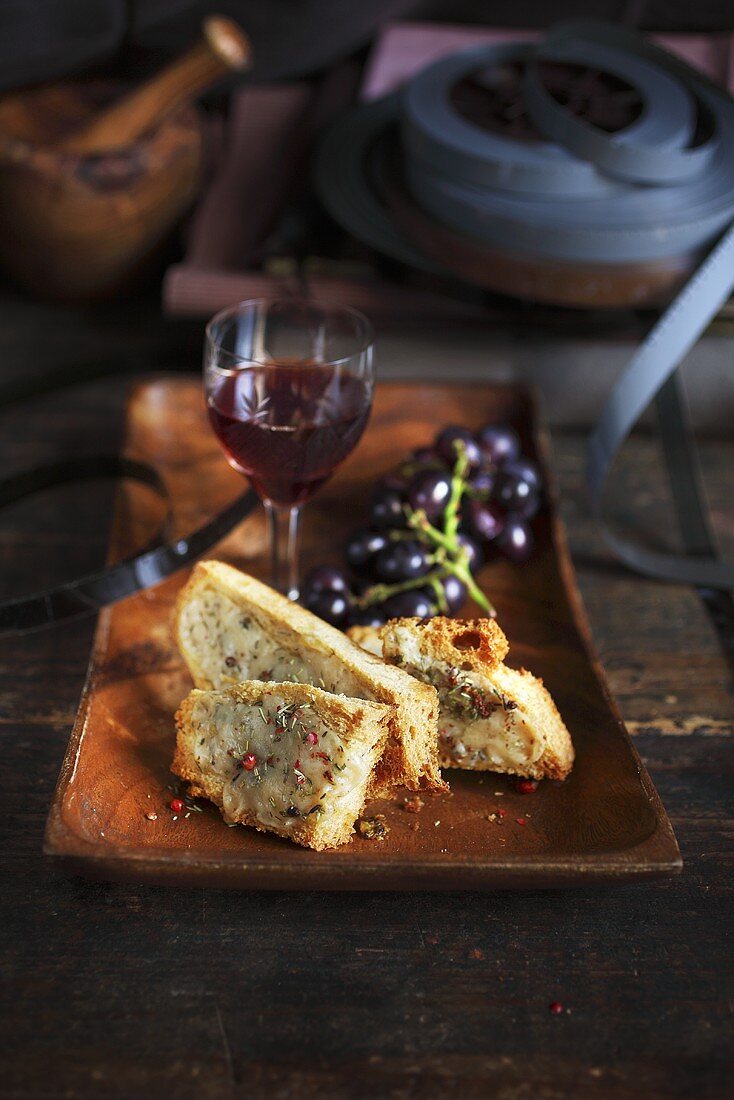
x=283 y=524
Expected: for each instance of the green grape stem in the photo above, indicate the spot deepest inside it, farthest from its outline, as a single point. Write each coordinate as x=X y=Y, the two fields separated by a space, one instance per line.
x=458 y=487
x=449 y=557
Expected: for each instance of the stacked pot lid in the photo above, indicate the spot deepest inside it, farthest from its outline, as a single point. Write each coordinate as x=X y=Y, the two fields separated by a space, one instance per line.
x=591 y=152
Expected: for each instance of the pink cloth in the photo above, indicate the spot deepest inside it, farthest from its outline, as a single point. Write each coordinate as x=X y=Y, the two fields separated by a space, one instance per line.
x=403 y=49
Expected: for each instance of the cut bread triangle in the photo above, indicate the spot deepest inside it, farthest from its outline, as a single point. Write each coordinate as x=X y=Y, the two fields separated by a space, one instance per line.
x=491 y=717
x=284 y=758
x=230 y=627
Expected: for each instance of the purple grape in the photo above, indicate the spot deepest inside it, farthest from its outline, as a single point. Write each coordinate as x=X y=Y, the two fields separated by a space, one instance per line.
x=430 y=490
x=415 y=602
x=325 y=578
x=363 y=547
x=529 y=507
x=454 y=592
x=368 y=616
x=485 y=520
x=475 y=553
x=518 y=486
x=518 y=498
x=483 y=482
x=329 y=605
x=402 y=561
x=387 y=509
x=516 y=541
x=446 y=446
x=528 y=470
x=498 y=443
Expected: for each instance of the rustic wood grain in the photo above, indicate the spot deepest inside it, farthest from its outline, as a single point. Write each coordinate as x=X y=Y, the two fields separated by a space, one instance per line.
x=111 y=991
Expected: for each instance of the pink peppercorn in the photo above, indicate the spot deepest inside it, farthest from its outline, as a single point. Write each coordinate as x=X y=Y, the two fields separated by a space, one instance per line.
x=249 y=761
x=177 y=805
x=555 y=1008
x=312 y=738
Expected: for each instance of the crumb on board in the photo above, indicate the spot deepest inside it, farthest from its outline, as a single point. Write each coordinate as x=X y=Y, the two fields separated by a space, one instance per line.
x=496 y=815
x=373 y=828
x=414 y=804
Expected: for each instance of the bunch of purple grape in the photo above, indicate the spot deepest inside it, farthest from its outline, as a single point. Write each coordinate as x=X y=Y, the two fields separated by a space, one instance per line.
x=433 y=522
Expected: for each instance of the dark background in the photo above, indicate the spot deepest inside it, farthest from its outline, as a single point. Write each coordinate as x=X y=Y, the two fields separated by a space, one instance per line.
x=42 y=39
x=113 y=991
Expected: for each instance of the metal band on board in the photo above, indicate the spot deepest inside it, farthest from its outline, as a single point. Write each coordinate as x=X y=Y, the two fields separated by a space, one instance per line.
x=145 y=569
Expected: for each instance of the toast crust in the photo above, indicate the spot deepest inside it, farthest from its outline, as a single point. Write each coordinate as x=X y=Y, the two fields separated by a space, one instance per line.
x=356 y=732
x=320 y=653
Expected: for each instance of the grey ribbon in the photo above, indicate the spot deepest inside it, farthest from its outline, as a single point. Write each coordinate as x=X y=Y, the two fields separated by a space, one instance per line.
x=654 y=362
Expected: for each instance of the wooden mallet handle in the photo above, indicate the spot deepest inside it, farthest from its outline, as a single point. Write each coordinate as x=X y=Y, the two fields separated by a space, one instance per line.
x=223 y=47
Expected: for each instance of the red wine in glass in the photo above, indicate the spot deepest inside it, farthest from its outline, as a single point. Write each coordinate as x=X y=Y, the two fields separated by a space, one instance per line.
x=287 y=426
x=288 y=387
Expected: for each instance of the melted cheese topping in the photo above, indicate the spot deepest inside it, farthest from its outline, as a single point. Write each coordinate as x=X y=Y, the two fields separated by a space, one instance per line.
x=233 y=646
x=300 y=765
x=499 y=738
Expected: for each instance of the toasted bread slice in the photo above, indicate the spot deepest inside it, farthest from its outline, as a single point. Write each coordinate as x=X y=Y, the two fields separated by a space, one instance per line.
x=284 y=758
x=491 y=717
x=230 y=627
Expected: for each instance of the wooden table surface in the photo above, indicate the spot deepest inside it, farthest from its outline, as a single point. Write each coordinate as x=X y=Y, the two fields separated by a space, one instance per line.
x=119 y=991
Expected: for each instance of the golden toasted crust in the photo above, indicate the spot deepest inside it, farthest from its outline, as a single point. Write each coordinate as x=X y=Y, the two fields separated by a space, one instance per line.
x=479 y=646
x=410 y=758
x=481 y=641
x=362 y=726
x=478 y=643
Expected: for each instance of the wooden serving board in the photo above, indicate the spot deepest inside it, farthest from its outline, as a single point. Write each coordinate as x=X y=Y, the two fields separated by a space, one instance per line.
x=110 y=814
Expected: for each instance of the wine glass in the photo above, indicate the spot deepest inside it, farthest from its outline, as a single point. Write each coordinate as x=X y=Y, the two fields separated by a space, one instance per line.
x=289 y=390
